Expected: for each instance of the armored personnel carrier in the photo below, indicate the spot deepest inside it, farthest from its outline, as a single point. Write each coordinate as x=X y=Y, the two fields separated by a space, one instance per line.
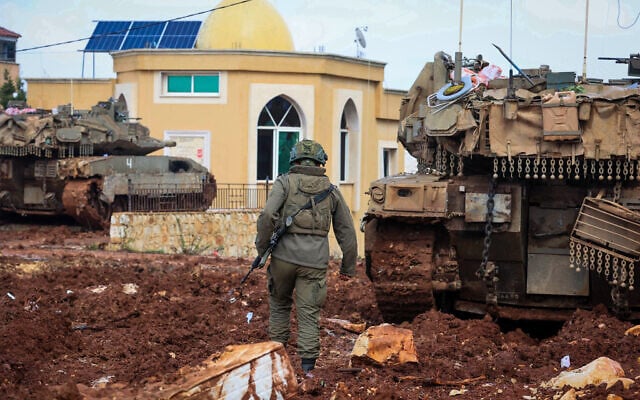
x=526 y=202
x=90 y=164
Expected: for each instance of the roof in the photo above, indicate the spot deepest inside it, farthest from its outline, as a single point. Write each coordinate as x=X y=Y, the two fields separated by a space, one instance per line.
x=7 y=33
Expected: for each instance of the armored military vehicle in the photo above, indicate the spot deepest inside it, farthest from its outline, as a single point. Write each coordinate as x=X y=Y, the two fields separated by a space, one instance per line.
x=526 y=200
x=89 y=164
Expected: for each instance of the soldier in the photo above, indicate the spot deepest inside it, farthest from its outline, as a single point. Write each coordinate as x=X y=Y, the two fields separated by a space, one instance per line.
x=301 y=258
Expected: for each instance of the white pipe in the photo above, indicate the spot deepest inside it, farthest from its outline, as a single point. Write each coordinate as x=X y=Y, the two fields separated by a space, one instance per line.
x=460 y=31
x=586 y=29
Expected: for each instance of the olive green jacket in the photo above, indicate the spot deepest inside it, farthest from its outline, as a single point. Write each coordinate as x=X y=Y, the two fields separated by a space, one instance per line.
x=305 y=249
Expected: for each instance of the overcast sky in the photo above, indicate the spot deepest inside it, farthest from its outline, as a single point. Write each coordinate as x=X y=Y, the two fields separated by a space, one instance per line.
x=404 y=34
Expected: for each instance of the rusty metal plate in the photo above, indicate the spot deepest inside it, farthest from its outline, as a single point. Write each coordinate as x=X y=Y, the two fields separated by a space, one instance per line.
x=435 y=197
x=404 y=197
x=475 y=207
x=550 y=274
x=33 y=195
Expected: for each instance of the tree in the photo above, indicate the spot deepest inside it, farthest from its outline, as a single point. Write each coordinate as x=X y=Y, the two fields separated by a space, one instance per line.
x=10 y=87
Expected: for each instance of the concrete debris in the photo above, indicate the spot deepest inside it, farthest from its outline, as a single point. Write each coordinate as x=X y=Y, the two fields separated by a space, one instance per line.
x=385 y=345
x=98 y=289
x=256 y=371
x=571 y=394
x=341 y=392
x=348 y=325
x=601 y=370
x=129 y=288
x=102 y=382
x=634 y=330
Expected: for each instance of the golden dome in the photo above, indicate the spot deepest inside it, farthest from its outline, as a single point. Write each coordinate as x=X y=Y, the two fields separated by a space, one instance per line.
x=255 y=25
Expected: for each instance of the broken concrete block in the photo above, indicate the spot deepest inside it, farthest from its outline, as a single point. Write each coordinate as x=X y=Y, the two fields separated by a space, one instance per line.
x=634 y=330
x=252 y=371
x=348 y=325
x=598 y=371
x=385 y=344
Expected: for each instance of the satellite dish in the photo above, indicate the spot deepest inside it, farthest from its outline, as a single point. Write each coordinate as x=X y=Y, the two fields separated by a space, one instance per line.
x=360 y=37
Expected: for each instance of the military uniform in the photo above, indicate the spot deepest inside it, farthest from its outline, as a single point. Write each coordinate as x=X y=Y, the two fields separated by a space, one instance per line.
x=300 y=259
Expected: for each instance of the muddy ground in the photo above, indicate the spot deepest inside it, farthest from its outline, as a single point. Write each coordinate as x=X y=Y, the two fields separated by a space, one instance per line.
x=75 y=316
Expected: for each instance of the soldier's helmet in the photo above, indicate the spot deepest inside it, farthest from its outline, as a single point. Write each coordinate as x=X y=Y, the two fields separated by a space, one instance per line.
x=308 y=150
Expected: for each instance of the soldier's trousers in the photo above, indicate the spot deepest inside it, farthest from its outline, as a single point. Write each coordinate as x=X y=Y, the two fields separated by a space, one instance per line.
x=310 y=286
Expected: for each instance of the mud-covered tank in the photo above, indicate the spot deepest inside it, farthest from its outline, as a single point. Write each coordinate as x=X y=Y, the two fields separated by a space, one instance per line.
x=526 y=203
x=90 y=164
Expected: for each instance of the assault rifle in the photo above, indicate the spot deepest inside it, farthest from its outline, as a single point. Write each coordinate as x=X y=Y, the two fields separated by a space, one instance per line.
x=277 y=234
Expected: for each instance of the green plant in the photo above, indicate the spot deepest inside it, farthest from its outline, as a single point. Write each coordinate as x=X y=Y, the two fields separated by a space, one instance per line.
x=193 y=246
x=10 y=87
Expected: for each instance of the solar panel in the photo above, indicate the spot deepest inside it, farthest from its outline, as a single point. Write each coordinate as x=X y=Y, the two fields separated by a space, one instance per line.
x=180 y=35
x=122 y=35
x=107 y=36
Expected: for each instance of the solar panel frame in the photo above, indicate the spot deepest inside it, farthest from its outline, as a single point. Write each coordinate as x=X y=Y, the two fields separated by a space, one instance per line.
x=123 y=35
x=107 y=36
x=144 y=35
x=180 y=35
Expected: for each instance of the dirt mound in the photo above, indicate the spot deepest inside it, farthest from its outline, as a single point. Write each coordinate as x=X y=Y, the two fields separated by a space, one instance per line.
x=72 y=314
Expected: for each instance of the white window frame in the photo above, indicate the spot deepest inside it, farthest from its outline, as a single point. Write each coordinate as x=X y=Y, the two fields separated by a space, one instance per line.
x=387 y=145
x=165 y=84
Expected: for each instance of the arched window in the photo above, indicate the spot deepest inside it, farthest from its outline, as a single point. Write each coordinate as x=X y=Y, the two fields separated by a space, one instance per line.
x=348 y=139
x=279 y=129
x=344 y=147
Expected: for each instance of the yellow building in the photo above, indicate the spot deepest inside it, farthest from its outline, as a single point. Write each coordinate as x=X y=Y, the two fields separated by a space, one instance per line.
x=8 y=40
x=239 y=101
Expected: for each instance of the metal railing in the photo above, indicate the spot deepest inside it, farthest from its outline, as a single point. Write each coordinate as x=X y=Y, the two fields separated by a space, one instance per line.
x=241 y=195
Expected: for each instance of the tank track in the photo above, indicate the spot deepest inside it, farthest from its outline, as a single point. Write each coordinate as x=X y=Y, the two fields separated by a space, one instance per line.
x=400 y=264
x=81 y=200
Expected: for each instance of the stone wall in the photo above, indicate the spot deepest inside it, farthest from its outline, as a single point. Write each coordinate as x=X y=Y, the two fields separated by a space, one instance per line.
x=227 y=233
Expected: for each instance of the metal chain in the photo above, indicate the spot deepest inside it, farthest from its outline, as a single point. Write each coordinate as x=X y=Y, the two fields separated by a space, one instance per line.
x=578 y=257
x=561 y=169
x=625 y=171
x=609 y=170
x=488 y=229
x=572 y=253
x=615 y=270
x=599 y=264
x=601 y=170
x=618 y=169
x=452 y=164
x=617 y=190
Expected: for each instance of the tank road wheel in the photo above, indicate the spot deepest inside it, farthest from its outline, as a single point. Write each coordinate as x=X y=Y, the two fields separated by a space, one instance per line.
x=81 y=200
x=399 y=262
